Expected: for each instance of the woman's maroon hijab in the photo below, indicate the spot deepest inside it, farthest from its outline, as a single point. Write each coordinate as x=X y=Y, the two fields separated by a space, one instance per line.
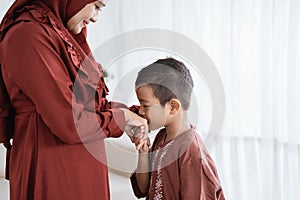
x=62 y=9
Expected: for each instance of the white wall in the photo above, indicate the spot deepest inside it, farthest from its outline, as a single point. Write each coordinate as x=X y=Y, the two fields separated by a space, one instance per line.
x=2 y=161
x=4 y=6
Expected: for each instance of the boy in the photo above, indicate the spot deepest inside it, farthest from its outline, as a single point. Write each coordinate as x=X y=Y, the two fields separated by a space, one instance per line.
x=177 y=166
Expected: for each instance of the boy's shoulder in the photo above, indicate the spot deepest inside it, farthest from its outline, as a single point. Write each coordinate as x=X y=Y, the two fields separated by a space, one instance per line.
x=189 y=136
x=191 y=143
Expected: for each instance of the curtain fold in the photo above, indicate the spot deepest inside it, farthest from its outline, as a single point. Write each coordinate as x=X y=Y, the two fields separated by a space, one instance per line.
x=252 y=168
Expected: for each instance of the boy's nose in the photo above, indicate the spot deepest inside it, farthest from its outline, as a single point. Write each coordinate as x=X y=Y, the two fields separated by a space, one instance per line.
x=141 y=112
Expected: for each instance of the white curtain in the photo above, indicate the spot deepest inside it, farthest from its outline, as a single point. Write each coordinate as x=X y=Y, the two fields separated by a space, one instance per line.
x=255 y=46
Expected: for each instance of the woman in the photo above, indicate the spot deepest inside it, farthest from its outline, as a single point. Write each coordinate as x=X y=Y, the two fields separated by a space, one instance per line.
x=58 y=93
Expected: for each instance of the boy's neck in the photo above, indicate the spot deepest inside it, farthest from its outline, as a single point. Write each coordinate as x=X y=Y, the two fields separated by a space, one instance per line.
x=177 y=126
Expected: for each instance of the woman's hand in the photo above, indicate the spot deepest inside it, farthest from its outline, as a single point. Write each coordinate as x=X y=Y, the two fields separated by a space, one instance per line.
x=137 y=129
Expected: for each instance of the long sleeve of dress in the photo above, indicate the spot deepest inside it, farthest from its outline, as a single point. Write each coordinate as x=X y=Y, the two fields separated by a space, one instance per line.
x=38 y=69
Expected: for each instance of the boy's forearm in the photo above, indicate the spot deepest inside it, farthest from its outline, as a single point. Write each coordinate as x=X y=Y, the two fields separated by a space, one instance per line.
x=143 y=172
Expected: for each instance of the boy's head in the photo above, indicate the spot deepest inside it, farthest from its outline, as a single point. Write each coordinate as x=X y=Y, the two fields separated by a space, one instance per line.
x=163 y=88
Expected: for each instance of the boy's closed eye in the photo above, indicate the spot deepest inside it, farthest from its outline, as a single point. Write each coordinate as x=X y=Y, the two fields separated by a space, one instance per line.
x=146 y=106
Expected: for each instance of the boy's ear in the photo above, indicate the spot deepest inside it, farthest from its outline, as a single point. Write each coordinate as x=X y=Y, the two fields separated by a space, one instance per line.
x=175 y=106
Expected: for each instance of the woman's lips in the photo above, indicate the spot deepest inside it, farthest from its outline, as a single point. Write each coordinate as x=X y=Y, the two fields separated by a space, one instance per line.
x=85 y=23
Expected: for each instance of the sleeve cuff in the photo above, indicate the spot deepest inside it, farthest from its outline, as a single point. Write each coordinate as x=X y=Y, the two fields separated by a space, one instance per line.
x=118 y=123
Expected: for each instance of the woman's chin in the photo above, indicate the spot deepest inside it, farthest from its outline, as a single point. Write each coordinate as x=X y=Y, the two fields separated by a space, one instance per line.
x=76 y=30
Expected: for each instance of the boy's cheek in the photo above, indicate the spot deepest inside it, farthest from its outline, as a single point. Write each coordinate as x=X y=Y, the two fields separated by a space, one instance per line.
x=156 y=122
x=154 y=126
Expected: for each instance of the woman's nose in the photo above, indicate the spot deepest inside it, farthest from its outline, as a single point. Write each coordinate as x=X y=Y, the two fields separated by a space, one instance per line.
x=93 y=19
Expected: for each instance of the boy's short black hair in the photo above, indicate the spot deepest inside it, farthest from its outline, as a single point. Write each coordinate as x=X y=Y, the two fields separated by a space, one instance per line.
x=168 y=78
